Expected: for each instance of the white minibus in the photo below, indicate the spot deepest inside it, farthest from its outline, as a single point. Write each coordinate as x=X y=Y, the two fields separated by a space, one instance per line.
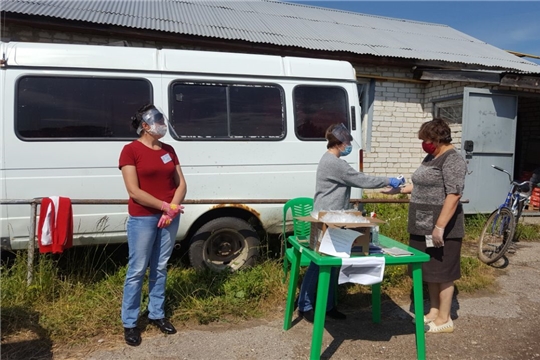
x=245 y=127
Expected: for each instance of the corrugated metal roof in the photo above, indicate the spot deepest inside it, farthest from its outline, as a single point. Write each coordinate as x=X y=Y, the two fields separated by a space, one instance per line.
x=284 y=24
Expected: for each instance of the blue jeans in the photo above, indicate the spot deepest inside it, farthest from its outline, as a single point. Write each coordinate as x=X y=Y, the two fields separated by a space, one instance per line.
x=149 y=246
x=308 y=290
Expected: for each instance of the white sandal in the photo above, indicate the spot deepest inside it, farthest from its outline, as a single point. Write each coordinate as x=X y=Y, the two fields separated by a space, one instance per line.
x=426 y=320
x=447 y=327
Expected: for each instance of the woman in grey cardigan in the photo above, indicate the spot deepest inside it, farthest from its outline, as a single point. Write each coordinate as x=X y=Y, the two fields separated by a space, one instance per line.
x=335 y=177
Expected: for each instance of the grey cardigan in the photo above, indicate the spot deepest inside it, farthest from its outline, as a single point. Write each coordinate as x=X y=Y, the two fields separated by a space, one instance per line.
x=335 y=177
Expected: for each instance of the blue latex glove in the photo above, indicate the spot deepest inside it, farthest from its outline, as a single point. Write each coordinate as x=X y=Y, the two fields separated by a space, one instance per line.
x=396 y=182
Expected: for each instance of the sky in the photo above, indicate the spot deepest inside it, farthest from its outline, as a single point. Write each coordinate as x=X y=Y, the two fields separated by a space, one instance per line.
x=508 y=25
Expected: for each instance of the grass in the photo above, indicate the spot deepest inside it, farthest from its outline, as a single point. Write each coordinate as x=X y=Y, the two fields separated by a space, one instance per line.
x=395 y=217
x=77 y=295
x=527 y=232
x=78 y=304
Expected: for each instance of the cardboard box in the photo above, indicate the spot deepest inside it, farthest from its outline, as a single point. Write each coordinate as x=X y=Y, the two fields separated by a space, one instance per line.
x=360 y=244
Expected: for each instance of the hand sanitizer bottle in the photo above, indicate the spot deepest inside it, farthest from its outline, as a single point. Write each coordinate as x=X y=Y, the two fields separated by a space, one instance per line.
x=374 y=232
x=375 y=235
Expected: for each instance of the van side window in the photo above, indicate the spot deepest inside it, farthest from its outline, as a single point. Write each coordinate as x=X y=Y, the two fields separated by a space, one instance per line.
x=318 y=107
x=53 y=107
x=211 y=111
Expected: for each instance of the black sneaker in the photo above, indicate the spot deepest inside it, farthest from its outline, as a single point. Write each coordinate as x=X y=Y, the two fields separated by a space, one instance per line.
x=307 y=315
x=335 y=314
x=132 y=336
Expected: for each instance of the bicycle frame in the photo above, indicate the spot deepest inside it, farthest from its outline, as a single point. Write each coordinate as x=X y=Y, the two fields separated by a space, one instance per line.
x=499 y=230
x=515 y=199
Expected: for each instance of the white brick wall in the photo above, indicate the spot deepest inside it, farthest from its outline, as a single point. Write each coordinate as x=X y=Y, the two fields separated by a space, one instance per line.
x=400 y=108
x=397 y=115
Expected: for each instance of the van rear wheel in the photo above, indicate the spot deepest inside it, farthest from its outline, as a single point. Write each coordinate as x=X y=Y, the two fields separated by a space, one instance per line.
x=225 y=243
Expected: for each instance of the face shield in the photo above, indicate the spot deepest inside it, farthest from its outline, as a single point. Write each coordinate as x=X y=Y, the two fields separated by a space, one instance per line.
x=157 y=122
x=342 y=134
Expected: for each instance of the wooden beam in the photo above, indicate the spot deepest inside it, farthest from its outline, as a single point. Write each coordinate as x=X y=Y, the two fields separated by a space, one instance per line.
x=521 y=81
x=458 y=75
x=520 y=54
x=391 y=78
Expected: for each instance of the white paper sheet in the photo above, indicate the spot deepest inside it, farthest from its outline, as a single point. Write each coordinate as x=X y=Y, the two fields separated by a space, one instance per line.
x=367 y=270
x=338 y=242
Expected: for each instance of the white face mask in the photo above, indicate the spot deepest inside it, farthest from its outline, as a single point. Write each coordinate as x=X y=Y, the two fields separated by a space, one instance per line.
x=158 y=130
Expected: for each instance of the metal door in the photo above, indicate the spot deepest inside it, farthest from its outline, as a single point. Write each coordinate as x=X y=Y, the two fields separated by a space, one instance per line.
x=489 y=136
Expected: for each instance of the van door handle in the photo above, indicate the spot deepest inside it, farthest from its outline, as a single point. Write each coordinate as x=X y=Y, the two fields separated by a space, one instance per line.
x=353 y=118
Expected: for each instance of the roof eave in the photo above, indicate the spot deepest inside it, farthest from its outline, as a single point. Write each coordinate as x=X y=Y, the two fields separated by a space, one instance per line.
x=211 y=43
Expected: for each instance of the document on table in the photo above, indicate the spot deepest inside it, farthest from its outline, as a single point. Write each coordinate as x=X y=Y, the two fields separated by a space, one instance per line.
x=338 y=242
x=395 y=251
x=366 y=270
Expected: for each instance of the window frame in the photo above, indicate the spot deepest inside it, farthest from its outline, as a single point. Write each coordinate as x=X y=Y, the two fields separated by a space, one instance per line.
x=451 y=101
x=78 y=139
x=347 y=108
x=214 y=82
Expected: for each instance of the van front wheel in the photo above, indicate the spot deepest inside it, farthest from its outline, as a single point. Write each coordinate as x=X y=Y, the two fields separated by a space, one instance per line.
x=224 y=243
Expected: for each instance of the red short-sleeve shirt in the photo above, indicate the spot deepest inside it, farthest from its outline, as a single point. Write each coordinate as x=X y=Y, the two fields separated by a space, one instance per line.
x=155 y=172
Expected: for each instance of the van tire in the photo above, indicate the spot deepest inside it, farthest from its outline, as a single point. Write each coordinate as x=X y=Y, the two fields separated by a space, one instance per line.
x=225 y=243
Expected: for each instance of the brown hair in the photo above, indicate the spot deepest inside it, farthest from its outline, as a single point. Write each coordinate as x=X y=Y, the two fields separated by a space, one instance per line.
x=332 y=139
x=435 y=130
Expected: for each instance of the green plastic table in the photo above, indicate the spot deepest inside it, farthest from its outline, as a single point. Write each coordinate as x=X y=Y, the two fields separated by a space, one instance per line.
x=326 y=262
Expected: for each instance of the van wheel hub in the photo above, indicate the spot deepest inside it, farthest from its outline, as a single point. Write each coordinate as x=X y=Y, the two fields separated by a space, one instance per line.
x=225 y=243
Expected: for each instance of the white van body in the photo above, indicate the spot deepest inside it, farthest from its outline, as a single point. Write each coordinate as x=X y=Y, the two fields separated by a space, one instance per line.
x=244 y=167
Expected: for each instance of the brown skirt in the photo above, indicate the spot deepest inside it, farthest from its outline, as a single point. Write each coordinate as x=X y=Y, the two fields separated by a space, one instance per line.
x=444 y=263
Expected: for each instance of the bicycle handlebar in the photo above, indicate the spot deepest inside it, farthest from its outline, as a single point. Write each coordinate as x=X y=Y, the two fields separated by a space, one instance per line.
x=524 y=187
x=513 y=182
x=504 y=171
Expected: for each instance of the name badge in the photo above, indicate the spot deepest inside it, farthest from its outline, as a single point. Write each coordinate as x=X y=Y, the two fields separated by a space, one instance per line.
x=166 y=158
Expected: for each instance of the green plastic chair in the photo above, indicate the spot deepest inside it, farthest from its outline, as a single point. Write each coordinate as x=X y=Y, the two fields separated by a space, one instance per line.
x=301 y=206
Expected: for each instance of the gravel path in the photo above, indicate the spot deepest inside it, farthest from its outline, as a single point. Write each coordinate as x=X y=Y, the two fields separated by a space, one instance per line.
x=502 y=325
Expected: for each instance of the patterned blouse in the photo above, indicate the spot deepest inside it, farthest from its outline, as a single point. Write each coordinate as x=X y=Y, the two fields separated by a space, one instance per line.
x=433 y=180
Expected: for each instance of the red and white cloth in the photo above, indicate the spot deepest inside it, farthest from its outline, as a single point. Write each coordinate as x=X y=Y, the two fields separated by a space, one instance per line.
x=55 y=228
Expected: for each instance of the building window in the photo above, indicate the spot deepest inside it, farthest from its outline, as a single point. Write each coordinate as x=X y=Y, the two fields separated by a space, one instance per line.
x=212 y=111
x=318 y=107
x=451 y=111
x=49 y=107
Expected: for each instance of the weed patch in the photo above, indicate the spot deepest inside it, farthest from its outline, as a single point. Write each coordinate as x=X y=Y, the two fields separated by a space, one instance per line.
x=475 y=275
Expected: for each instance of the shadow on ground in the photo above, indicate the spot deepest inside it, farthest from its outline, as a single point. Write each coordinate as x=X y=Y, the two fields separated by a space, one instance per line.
x=36 y=344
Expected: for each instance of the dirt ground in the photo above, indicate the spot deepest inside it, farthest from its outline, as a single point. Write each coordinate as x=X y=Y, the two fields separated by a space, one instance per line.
x=499 y=325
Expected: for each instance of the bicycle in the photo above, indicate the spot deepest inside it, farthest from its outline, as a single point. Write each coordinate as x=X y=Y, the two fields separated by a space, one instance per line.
x=499 y=230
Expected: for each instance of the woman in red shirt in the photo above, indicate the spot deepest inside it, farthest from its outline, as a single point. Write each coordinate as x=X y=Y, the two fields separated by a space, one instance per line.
x=156 y=188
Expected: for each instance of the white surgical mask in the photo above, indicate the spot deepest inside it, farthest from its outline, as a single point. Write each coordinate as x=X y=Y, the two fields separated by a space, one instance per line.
x=158 y=130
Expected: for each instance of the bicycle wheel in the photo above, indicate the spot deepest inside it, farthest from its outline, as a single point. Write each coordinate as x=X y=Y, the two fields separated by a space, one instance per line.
x=496 y=235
